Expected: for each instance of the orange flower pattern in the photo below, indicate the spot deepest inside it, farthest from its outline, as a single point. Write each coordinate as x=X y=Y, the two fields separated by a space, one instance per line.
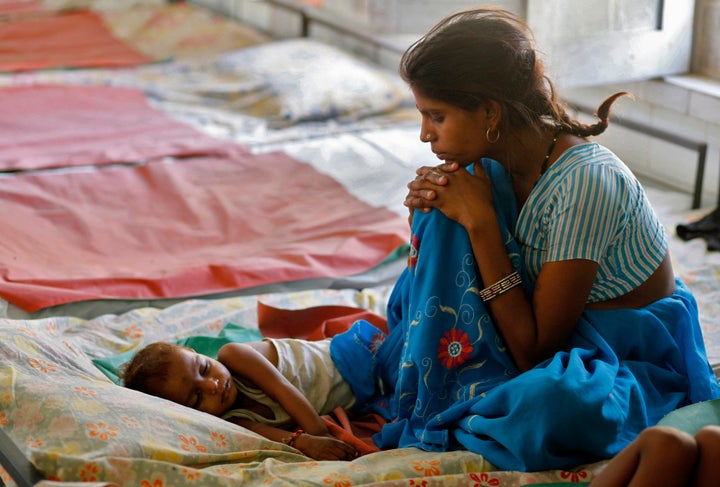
x=427 y=467
x=337 y=480
x=155 y=482
x=130 y=422
x=42 y=365
x=102 y=430
x=218 y=438
x=84 y=391
x=191 y=473
x=191 y=444
x=133 y=331
x=89 y=473
x=484 y=479
x=34 y=443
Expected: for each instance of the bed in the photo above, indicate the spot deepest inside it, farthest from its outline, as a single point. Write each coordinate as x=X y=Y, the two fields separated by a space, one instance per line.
x=174 y=185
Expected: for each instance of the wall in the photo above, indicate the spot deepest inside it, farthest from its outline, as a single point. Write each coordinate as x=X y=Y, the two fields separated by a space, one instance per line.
x=706 y=54
x=399 y=17
x=686 y=105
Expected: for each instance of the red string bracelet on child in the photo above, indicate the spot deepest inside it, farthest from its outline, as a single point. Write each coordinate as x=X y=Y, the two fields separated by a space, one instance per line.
x=293 y=438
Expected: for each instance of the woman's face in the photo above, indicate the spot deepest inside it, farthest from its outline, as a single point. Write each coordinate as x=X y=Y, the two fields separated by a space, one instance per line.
x=198 y=382
x=456 y=135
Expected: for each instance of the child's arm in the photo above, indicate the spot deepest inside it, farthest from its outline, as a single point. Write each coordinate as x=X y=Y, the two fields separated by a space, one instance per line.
x=244 y=361
x=316 y=447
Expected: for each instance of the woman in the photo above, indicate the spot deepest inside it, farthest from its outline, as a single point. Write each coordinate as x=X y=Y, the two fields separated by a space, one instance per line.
x=539 y=322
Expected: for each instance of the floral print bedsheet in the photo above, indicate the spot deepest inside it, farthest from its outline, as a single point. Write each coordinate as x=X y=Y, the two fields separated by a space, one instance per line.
x=77 y=426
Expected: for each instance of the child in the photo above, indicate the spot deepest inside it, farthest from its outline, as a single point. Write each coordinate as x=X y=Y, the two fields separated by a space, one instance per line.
x=264 y=386
x=662 y=455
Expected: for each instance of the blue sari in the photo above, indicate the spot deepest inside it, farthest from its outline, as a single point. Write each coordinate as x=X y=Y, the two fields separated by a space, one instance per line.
x=444 y=379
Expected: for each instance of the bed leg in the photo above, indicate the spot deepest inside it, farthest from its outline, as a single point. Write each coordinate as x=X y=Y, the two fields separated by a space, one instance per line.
x=16 y=464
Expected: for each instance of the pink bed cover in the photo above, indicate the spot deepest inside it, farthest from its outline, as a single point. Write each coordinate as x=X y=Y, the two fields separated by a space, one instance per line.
x=75 y=39
x=180 y=228
x=48 y=126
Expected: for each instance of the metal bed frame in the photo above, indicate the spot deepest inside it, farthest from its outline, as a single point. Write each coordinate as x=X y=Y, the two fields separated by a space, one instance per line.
x=16 y=464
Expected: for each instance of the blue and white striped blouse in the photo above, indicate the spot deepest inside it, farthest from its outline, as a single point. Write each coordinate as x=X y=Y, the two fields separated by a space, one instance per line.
x=589 y=205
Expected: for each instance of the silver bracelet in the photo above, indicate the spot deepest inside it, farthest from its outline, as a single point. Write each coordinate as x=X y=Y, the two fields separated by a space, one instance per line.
x=500 y=287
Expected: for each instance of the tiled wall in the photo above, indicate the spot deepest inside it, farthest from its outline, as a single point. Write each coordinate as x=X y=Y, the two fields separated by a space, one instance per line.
x=684 y=105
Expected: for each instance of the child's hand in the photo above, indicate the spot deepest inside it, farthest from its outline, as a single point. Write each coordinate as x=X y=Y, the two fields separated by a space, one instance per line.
x=325 y=447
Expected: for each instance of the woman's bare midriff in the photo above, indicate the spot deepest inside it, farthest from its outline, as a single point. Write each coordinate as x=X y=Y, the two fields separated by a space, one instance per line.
x=660 y=284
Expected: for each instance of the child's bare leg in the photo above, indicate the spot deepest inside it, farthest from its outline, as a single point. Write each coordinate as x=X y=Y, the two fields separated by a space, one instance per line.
x=658 y=456
x=707 y=472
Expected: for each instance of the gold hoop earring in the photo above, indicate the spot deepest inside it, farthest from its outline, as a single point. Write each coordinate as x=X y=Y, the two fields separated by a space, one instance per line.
x=493 y=139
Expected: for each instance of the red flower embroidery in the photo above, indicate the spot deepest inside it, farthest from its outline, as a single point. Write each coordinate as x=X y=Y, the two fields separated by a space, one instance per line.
x=376 y=340
x=455 y=348
x=414 y=249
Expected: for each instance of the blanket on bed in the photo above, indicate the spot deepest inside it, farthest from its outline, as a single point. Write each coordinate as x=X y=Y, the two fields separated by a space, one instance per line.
x=445 y=379
x=63 y=40
x=180 y=228
x=51 y=126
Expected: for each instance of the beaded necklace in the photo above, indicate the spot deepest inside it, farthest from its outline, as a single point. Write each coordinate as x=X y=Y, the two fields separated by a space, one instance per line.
x=544 y=166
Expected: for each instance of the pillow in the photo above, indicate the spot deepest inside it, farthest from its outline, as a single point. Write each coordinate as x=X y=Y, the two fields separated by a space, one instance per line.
x=76 y=425
x=315 y=81
x=207 y=345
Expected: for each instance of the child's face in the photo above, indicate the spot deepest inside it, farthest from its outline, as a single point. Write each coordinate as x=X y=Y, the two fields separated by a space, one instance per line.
x=198 y=382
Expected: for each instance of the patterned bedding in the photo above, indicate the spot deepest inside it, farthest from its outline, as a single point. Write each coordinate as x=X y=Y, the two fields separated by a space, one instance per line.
x=77 y=425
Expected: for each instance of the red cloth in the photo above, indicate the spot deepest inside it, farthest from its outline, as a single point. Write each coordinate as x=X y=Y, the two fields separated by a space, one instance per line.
x=357 y=431
x=174 y=229
x=76 y=39
x=314 y=323
x=46 y=126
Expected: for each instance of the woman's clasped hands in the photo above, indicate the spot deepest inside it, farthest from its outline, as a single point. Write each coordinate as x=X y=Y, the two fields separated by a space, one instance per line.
x=459 y=195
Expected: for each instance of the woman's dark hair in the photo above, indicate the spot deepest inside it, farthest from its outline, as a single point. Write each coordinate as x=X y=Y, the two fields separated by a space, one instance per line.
x=148 y=368
x=474 y=56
